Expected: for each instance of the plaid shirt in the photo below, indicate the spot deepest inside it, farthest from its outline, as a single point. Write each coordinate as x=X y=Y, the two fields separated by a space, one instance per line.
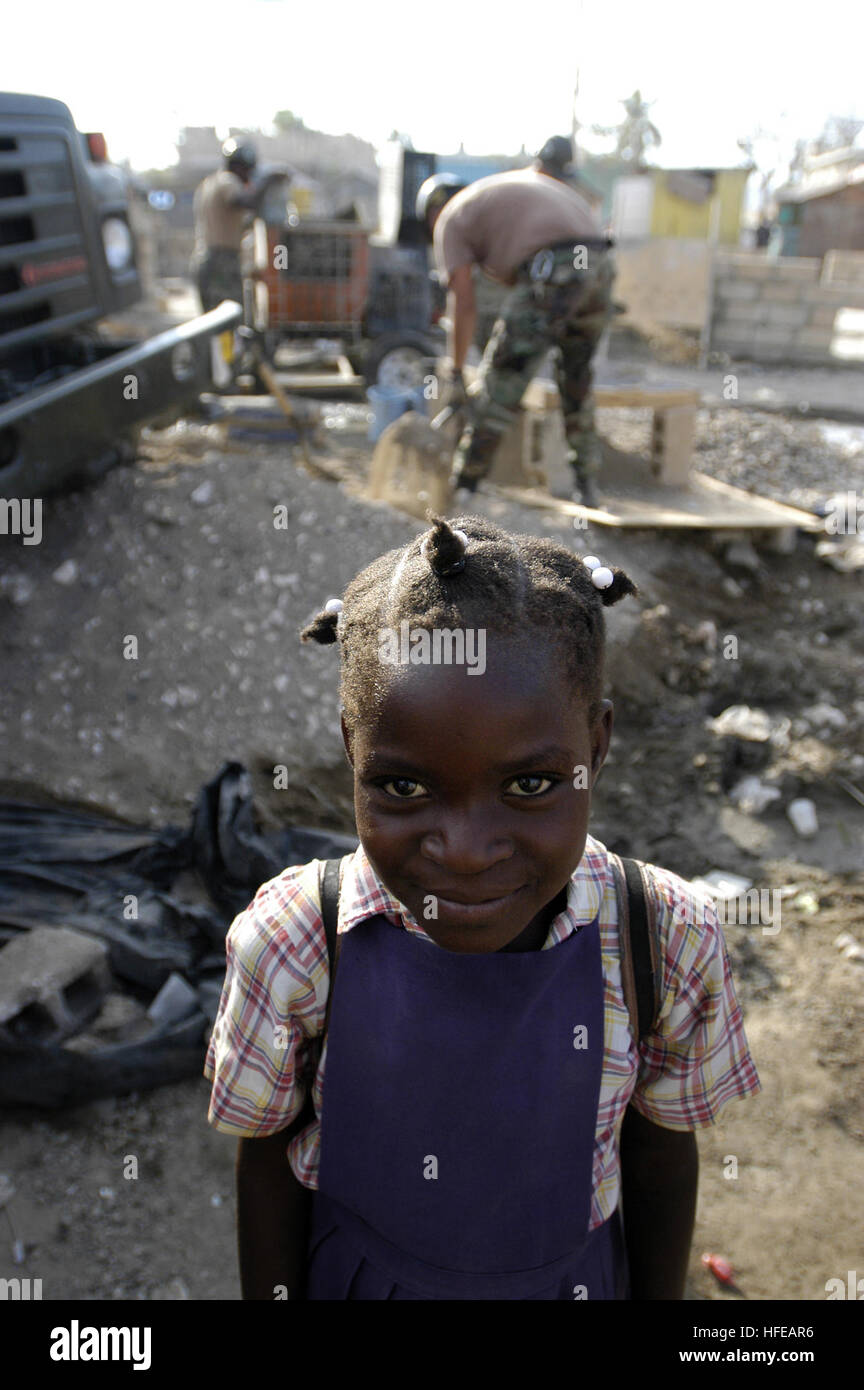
x=275 y=995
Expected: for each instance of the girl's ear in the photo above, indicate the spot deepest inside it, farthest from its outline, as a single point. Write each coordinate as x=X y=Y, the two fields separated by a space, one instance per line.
x=346 y=739
x=600 y=737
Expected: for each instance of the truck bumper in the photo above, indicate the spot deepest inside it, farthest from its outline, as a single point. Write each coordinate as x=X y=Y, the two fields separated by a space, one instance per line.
x=73 y=428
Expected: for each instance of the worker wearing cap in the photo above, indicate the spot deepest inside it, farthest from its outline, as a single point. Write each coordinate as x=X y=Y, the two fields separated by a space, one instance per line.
x=224 y=205
x=531 y=231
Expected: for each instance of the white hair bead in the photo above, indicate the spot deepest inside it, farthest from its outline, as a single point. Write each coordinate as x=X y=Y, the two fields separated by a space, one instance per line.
x=591 y=562
x=333 y=605
x=601 y=577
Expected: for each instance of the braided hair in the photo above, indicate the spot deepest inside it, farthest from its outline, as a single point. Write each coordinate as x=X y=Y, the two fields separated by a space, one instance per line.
x=471 y=574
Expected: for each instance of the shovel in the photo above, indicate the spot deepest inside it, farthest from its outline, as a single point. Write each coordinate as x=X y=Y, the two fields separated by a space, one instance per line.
x=412 y=462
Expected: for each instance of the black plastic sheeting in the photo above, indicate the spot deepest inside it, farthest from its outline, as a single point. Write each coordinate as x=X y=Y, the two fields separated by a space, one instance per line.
x=65 y=868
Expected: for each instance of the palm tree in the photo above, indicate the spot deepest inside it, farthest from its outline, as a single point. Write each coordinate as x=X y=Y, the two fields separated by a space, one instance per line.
x=635 y=134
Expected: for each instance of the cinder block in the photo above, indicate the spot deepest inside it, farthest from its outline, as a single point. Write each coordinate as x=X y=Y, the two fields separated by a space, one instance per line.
x=822 y=316
x=52 y=980
x=672 y=444
x=736 y=289
x=783 y=291
x=730 y=338
x=841 y=296
x=814 y=338
x=786 y=315
x=743 y=311
x=771 y=337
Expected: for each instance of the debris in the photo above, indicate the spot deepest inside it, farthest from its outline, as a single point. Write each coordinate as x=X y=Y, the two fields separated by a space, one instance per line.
x=176 y=1000
x=17 y=586
x=66 y=573
x=720 y=1268
x=743 y=556
x=174 y=1291
x=854 y=952
x=731 y=587
x=722 y=885
x=844 y=940
x=850 y=788
x=706 y=633
x=203 y=494
x=822 y=714
x=802 y=814
x=806 y=903
x=843 y=553
x=754 y=725
x=752 y=796
x=61 y=869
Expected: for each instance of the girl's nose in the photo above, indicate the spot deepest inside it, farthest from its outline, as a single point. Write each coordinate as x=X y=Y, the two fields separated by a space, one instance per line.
x=465 y=844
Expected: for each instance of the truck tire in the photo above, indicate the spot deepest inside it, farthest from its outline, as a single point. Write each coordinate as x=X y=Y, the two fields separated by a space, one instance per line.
x=399 y=360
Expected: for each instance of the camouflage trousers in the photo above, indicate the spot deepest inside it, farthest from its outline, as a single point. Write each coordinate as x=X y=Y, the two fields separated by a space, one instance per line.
x=219 y=277
x=568 y=310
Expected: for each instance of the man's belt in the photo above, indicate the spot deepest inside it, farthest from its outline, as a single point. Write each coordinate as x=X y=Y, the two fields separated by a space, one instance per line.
x=541 y=265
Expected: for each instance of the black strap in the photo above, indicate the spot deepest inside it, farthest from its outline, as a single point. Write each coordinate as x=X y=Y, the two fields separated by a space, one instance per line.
x=638 y=944
x=641 y=947
x=328 y=887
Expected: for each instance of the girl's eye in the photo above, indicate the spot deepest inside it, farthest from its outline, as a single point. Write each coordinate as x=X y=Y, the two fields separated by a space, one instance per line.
x=403 y=787
x=530 y=785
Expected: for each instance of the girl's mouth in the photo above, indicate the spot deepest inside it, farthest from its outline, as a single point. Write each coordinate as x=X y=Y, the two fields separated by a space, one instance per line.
x=476 y=911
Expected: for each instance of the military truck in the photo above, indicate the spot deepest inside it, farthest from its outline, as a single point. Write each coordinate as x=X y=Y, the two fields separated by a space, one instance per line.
x=73 y=397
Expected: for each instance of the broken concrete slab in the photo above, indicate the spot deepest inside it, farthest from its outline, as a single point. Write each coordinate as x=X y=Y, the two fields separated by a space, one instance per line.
x=52 y=981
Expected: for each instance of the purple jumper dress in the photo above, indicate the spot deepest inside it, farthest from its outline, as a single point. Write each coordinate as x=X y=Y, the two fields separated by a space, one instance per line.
x=457 y=1127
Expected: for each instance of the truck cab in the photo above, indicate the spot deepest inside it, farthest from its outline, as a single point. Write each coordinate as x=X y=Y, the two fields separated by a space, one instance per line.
x=71 y=400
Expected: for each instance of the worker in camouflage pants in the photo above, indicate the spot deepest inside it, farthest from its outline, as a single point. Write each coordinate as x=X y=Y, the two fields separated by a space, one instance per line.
x=532 y=231
x=568 y=311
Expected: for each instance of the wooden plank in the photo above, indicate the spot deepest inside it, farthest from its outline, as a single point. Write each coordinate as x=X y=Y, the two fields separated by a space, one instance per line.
x=705 y=505
x=543 y=395
x=640 y=397
x=317 y=381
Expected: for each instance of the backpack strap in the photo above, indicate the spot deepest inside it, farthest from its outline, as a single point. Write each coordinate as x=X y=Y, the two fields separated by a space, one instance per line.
x=329 y=878
x=638 y=944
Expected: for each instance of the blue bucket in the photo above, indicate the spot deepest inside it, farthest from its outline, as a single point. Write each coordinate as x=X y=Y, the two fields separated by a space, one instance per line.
x=388 y=404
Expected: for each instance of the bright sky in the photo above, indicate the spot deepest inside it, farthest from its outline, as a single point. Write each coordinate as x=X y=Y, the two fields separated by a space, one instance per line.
x=493 y=75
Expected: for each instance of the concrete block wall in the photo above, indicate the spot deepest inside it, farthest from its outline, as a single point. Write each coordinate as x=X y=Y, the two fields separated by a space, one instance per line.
x=783 y=309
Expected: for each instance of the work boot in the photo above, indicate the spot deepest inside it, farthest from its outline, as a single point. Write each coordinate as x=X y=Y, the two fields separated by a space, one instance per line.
x=585 y=492
x=463 y=486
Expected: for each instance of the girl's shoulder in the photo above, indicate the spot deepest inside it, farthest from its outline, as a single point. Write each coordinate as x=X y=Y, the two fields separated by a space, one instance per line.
x=284 y=918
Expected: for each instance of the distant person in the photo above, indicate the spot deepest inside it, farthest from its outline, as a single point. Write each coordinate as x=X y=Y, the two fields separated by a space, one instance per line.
x=530 y=230
x=224 y=205
x=556 y=158
x=763 y=235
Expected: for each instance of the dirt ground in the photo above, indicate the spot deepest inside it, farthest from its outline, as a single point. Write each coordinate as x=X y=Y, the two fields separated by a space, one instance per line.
x=181 y=552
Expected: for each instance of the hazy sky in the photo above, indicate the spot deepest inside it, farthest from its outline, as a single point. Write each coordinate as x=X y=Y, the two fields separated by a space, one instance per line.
x=491 y=75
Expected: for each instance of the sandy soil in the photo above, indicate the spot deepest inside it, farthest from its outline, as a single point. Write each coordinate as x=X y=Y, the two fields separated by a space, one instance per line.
x=182 y=553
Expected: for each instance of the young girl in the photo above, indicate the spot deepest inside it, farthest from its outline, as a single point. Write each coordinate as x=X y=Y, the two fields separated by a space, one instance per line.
x=480 y=1092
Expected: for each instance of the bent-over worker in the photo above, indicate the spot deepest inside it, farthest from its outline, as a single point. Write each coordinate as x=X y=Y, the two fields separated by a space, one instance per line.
x=533 y=232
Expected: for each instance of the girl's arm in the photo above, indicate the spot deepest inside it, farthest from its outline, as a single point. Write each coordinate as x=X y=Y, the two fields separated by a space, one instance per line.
x=659 y=1179
x=273 y=1211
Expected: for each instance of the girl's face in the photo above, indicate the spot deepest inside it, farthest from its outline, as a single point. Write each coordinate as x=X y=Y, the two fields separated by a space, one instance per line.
x=472 y=792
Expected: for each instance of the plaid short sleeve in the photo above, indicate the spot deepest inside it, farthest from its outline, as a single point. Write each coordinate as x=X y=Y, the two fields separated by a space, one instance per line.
x=272 y=1003
x=697 y=1057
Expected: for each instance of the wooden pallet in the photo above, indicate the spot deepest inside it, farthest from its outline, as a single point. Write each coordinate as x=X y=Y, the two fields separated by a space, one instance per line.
x=704 y=505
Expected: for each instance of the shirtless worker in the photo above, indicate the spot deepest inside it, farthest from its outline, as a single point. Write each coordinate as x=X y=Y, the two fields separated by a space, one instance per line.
x=224 y=204
x=531 y=231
